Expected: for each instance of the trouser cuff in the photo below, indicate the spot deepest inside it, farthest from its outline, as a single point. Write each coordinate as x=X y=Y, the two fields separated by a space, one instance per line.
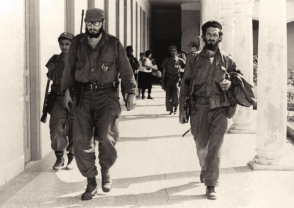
x=59 y=153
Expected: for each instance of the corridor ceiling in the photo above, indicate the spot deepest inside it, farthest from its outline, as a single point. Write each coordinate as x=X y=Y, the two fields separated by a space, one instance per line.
x=169 y=3
x=157 y=2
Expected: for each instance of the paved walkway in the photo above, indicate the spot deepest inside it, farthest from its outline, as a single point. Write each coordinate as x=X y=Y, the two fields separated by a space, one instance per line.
x=156 y=167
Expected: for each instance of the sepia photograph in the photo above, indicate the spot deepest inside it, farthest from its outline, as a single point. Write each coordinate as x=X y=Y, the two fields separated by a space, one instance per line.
x=147 y=103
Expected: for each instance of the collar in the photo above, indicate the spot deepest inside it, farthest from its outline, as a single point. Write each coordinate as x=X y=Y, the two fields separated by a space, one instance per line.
x=204 y=52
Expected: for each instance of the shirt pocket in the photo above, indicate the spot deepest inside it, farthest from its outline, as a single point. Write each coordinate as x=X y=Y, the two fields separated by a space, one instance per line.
x=80 y=65
x=108 y=71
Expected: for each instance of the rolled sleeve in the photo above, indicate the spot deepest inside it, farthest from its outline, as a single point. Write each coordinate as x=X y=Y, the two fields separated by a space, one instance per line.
x=125 y=69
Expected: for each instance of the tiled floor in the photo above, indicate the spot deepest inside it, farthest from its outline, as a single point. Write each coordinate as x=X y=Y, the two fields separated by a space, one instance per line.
x=157 y=167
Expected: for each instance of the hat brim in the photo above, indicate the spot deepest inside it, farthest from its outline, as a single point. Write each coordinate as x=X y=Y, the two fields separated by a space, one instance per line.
x=93 y=19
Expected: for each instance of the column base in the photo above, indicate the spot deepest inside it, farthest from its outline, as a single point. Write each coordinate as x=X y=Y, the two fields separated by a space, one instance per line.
x=284 y=164
x=240 y=129
x=257 y=166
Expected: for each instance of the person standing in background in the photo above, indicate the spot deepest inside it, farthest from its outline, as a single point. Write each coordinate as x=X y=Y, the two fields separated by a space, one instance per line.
x=141 y=69
x=170 y=78
x=60 y=123
x=183 y=55
x=146 y=77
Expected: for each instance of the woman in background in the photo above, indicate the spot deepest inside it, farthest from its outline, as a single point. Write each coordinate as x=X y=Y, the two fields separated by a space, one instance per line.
x=145 y=80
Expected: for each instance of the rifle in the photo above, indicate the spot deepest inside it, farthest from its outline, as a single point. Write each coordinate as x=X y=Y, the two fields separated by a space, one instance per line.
x=82 y=21
x=47 y=99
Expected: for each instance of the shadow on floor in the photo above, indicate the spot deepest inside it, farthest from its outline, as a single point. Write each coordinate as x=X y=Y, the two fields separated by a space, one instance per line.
x=145 y=116
x=144 y=139
x=163 y=196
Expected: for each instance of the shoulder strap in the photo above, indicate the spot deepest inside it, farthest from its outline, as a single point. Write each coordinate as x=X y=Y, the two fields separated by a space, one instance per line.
x=193 y=75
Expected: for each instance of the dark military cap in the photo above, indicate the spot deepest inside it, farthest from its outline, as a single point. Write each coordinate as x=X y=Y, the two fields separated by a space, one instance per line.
x=211 y=23
x=171 y=47
x=66 y=35
x=194 y=43
x=94 y=15
x=129 y=48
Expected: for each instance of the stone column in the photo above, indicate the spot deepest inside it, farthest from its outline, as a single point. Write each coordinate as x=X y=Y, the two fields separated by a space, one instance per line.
x=243 y=56
x=70 y=16
x=272 y=87
x=228 y=24
x=207 y=13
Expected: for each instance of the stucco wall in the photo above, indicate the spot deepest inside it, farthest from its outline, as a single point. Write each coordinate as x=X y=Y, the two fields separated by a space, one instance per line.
x=79 y=6
x=12 y=61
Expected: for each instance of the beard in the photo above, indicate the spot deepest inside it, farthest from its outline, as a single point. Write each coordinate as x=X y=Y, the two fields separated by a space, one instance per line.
x=211 y=46
x=94 y=35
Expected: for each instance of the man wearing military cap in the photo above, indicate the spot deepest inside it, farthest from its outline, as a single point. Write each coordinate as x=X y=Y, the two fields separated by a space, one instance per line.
x=95 y=58
x=170 y=79
x=60 y=124
x=206 y=80
x=194 y=46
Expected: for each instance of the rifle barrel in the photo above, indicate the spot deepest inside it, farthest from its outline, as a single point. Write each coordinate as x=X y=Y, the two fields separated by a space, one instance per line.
x=82 y=21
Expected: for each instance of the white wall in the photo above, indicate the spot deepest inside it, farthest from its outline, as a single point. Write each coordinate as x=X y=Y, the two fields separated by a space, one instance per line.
x=129 y=36
x=79 y=6
x=51 y=26
x=12 y=61
x=99 y=4
x=112 y=17
x=121 y=21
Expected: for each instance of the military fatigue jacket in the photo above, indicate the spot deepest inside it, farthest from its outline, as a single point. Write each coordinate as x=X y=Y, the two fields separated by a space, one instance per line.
x=206 y=75
x=98 y=65
x=60 y=61
x=172 y=65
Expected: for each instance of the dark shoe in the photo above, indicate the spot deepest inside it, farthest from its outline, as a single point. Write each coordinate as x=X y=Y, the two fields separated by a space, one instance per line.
x=106 y=180
x=138 y=97
x=69 y=162
x=202 y=176
x=210 y=193
x=91 y=189
x=59 y=163
x=143 y=97
x=149 y=97
x=170 y=113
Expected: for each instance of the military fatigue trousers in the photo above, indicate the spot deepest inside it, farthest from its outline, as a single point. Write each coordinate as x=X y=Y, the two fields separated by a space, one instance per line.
x=60 y=127
x=99 y=110
x=208 y=127
x=172 y=94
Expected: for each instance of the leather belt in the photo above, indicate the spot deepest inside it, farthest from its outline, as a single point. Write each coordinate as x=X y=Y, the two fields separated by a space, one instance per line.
x=97 y=86
x=171 y=76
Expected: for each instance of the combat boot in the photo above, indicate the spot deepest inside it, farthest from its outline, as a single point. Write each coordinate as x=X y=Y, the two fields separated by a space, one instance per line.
x=202 y=176
x=91 y=189
x=70 y=157
x=210 y=192
x=59 y=161
x=175 y=112
x=106 y=180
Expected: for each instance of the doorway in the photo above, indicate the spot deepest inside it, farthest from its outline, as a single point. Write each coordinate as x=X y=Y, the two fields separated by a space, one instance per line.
x=167 y=31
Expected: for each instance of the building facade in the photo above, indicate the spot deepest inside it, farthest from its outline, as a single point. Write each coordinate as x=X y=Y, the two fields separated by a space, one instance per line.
x=29 y=32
